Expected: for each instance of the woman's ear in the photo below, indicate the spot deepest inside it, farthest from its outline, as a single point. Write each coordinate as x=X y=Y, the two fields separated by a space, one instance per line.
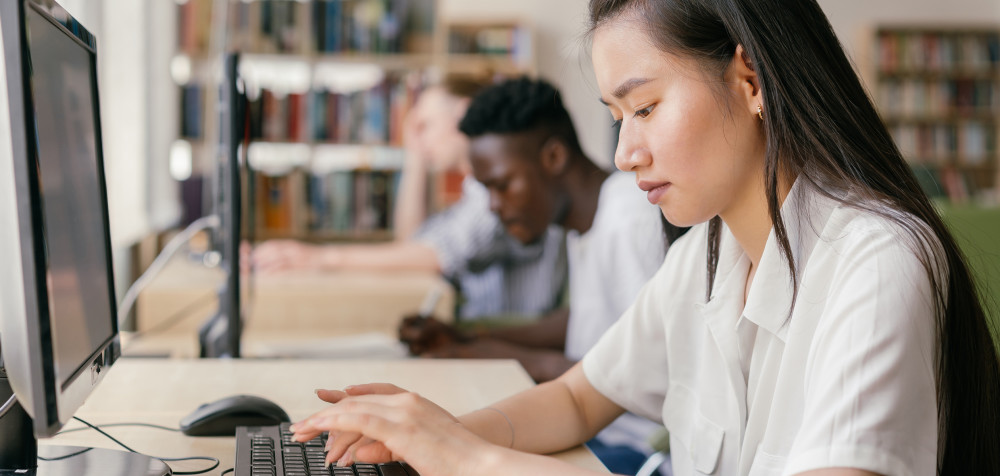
x=745 y=73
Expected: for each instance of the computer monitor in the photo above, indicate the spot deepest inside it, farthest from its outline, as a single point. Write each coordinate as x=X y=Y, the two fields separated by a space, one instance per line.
x=58 y=328
x=220 y=335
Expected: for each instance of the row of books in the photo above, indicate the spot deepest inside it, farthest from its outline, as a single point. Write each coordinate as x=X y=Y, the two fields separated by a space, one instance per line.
x=339 y=203
x=923 y=51
x=966 y=143
x=955 y=184
x=372 y=116
x=944 y=97
x=511 y=40
x=373 y=26
x=320 y=26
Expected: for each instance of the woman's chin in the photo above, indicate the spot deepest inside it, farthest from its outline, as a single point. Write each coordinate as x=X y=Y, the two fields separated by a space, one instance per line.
x=681 y=218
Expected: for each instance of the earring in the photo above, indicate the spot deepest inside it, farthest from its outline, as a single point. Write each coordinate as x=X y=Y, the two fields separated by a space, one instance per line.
x=760 y=112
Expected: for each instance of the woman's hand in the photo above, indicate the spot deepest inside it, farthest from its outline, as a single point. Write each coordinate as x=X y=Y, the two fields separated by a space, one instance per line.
x=409 y=427
x=348 y=447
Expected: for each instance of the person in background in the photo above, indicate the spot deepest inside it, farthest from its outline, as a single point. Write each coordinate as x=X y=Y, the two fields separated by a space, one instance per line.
x=818 y=319
x=495 y=274
x=526 y=153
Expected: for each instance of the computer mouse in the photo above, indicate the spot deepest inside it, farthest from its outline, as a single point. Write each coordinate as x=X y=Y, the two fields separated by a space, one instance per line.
x=221 y=417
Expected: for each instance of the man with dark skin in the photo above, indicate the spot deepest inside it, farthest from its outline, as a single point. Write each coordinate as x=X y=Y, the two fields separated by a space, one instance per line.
x=560 y=187
x=524 y=150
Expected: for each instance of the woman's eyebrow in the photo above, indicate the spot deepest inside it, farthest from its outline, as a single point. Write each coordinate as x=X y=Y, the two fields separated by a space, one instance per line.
x=626 y=87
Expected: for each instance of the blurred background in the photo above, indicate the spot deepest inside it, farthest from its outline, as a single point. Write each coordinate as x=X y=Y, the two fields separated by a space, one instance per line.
x=330 y=80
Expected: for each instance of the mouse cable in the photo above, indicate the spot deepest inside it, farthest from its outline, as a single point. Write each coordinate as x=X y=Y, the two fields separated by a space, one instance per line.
x=228 y=471
x=177 y=317
x=110 y=425
x=60 y=458
x=163 y=460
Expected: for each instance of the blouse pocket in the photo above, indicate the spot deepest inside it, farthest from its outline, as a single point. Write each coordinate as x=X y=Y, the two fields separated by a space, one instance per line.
x=766 y=464
x=701 y=436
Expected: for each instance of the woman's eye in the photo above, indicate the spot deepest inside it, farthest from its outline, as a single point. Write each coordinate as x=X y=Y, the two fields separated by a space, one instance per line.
x=616 y=123
x=642 y=113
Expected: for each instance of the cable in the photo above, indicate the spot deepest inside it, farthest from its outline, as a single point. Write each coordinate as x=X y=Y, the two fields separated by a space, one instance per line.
x=160 y=262
x=8 y=405
x=228 y=471
x=163 y=460
x=60 y=458
x=215 y=464
x=175 y=318
x=109 y=425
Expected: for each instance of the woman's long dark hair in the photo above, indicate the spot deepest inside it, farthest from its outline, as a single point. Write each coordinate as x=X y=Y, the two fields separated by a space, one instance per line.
x=821 y=126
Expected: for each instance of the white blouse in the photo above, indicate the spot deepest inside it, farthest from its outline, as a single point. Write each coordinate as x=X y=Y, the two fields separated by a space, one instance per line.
x=847 y=379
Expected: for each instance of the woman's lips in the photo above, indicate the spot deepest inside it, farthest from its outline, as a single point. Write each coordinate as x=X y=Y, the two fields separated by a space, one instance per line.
x=654 y=190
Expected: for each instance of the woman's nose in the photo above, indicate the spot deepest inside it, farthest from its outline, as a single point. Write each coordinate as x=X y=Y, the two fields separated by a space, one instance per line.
x=630 y=152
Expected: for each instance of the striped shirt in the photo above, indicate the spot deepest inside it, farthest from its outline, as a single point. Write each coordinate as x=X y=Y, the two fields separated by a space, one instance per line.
x=494 y=273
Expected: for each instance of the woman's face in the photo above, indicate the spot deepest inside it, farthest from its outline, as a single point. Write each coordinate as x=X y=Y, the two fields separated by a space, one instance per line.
x=697 y=153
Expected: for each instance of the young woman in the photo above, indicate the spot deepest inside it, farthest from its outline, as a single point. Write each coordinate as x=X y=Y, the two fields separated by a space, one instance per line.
x=819 y=320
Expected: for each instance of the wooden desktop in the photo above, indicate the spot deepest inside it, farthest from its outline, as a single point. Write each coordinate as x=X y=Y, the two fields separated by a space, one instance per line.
x=281 y=308
x=348 y=320
x=162 y=391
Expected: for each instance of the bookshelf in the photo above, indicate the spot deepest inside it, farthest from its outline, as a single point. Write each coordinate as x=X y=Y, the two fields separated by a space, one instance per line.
x=938 y=92
x=502 y=46
x=331 y=81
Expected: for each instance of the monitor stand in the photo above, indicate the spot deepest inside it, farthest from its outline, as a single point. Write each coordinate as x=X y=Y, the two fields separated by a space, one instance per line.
x=96 y=462
x=19 y=451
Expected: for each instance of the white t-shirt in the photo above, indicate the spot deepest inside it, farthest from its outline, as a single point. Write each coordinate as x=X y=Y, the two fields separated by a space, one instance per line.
x=847 y=379
x=495 y=274
x=608 y=265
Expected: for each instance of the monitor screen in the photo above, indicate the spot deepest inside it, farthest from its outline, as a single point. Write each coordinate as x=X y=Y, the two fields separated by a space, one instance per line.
x=62 y=86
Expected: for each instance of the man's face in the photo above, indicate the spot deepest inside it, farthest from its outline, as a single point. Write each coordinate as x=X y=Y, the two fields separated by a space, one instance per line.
x=434 y=121
x=520 y=194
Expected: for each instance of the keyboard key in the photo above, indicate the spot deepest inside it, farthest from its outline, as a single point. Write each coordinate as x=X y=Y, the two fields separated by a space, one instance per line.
x=270 y=451
x=392 y=470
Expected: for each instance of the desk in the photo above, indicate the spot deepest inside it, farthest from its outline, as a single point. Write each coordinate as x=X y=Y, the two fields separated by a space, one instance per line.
x=288 y=304
x=162 y=391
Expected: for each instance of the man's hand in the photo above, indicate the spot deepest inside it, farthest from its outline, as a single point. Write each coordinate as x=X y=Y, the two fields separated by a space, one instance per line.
x=282 y=255
x=424 y=335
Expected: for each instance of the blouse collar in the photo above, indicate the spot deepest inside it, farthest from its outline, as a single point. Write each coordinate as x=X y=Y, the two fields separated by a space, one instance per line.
x=769 y=303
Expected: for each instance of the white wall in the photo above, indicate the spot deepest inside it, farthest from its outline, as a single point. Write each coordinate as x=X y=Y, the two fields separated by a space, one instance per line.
x=559 y=26
x=124 y=88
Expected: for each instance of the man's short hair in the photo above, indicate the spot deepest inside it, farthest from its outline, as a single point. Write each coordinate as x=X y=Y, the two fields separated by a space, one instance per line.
x=520 y=105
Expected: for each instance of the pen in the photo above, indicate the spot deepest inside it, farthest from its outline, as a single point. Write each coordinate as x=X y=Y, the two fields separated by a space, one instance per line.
x=430 y=302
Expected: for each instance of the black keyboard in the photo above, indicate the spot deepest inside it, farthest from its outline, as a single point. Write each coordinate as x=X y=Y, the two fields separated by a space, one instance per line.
x=270 y=451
